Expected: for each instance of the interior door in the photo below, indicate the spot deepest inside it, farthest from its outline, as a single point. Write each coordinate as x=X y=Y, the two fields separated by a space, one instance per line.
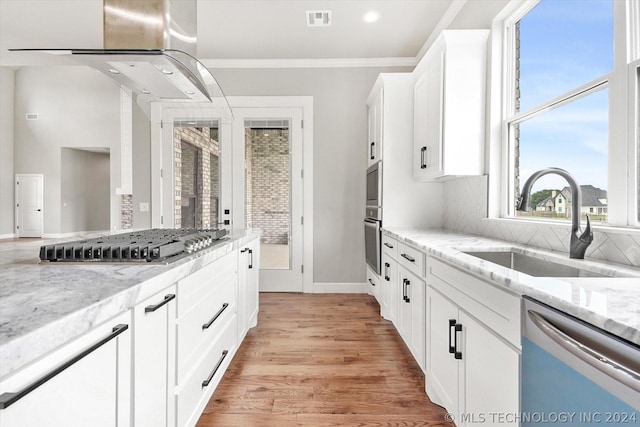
x=30 y=205
x=272 y=180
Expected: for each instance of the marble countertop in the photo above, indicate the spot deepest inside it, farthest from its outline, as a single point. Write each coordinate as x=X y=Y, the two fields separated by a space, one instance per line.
x=610 y=303
x=43 y=305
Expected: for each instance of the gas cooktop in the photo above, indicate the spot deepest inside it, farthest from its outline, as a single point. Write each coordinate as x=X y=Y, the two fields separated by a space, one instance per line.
x=154 y=245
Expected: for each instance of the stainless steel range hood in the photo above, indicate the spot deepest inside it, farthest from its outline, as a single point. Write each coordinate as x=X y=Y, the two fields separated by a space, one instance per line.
x=149 y=50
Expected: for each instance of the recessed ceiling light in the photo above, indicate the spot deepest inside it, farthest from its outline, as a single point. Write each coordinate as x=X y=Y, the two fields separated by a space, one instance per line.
x=114 y=71
x=371 y=16
x=145 y=91
x=167 y=72
x=188 y=92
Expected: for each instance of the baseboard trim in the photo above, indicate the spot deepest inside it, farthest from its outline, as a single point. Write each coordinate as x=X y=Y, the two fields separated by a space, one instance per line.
x=339 y=288
x=8 y=236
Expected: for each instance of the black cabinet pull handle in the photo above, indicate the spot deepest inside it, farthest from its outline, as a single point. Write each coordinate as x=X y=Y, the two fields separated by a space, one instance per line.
x=423 y=162
x=386 y=271
x=215 y=316
x=407 y=299
x=452 y=348
x=408 y=258
x=371 y=281
x=9 y=398
x=244 y=250
x=166 y=300
x=458 y=328
x=388 y=245
x=373 y=156
x=250 y=258
x=206 y=382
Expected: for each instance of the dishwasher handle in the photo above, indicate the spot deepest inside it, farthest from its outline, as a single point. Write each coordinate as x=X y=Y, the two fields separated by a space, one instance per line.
x=613 y=369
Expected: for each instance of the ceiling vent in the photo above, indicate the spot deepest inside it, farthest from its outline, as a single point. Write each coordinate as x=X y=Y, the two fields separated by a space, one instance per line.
x=318 y=18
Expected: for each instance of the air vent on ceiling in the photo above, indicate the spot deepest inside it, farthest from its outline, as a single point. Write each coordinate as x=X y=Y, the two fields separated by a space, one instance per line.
x=32 y=116
x=318 y=18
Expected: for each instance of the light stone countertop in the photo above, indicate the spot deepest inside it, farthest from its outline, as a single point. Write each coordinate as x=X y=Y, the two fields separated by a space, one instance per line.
x=44 y=305
x=610 y=303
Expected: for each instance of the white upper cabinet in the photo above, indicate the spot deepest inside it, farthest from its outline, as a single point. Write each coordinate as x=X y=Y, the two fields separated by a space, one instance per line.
x=374 y=113
x=449 y=106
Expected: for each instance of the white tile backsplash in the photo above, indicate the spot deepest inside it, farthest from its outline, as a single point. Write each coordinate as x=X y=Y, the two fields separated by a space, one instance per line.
x=465 y=210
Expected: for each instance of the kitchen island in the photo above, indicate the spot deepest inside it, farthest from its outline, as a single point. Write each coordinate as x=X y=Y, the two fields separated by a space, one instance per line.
x=177 y=317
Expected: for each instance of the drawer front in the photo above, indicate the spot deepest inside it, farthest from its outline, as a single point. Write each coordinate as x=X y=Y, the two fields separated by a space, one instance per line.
x=389 y=246
x=196 y=286
x=496 y=308
x=412 y=259
x=197 y=327
x=193 y=394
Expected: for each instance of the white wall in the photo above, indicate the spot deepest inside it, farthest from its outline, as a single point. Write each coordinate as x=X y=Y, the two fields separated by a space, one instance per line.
x=340 y=150
x=7 y=78
x=76 y=107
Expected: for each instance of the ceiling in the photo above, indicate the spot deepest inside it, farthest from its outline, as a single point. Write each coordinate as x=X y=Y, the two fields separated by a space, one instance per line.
x=250 y=32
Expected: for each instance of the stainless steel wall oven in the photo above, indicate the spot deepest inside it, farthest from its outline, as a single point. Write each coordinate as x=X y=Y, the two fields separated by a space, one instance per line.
x=373 y=217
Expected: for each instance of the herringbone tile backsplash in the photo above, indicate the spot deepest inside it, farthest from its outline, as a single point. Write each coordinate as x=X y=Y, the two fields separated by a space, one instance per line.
x=465 y=209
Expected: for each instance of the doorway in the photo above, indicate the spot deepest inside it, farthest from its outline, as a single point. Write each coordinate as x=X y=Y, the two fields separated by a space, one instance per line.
x=273 y=202
x=29 y=205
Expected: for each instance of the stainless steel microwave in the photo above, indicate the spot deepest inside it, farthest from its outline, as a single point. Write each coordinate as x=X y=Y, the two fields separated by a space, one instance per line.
x=374 y=184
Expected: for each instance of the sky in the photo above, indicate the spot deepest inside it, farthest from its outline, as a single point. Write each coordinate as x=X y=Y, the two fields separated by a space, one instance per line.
x=565 y=44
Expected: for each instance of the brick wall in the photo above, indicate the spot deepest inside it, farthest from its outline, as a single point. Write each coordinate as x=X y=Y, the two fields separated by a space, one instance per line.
x=267 y=177
x=126 y=217
x=201 y=139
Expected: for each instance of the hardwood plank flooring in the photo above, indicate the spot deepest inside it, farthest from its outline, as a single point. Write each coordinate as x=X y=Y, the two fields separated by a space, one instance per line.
x=322 y=360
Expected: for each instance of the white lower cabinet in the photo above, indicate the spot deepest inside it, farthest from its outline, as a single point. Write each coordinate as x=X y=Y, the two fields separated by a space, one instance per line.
x=471 y=369
x=390 y=289
x=411 y=313
x=85 y=383
x=248 y=275
x=375 y=287
x=154 y=335
x=206 y=335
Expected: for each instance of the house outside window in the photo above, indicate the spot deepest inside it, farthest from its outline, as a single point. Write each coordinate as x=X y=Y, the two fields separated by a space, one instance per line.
x=567 y=91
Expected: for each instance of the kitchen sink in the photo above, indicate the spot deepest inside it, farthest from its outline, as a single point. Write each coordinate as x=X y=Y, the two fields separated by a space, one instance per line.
x=532 y=265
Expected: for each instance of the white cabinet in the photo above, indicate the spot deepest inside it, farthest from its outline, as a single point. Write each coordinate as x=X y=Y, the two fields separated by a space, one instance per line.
x=248 y=274
x=473 y=345
x=374 y=285
x=374 y=115
x=449 y=105
x=389 y=288
x=411 y=313
x=153 y=338
x=206 y=335
x=85 y=383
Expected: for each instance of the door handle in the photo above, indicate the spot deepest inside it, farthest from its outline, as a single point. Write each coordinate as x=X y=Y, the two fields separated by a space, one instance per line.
x=250 y=258
x=39 y=210
x=423 y=160
x=373 y=156
x=407 y=299
x=166 y=300
x=386 y=271
x=408 y=258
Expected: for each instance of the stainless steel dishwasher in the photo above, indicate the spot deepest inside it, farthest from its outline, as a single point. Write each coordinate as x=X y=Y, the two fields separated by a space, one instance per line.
x=573 y=373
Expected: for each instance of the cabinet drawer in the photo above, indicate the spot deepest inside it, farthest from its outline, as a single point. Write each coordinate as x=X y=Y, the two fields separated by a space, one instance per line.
x=197 y=327
x=497 y=309
x=411 y=258
x=389 y=246
x=194 y=287
x=194 y=393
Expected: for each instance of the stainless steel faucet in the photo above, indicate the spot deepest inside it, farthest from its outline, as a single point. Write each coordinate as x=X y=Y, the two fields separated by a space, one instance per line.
x=579 y=242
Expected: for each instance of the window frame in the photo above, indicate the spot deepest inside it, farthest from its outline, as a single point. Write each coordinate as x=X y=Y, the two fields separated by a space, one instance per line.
x=624 y=111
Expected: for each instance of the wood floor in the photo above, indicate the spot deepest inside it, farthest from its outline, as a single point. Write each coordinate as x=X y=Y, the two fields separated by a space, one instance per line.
x=322 y=360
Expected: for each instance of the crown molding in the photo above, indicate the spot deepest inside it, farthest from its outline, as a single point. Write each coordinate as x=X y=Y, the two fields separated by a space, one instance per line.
x=311 y=63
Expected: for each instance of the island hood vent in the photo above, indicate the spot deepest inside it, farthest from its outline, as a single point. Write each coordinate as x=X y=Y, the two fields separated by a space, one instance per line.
x=149 y=50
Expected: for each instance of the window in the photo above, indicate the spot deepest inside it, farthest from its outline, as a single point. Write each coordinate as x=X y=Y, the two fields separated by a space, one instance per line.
x=567 y=107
